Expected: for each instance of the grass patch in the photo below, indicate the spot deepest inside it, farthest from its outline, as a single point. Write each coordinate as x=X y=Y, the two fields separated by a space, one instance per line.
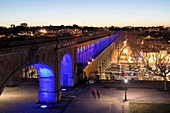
x=121 y=88
x=163 y=90
x=136 y=107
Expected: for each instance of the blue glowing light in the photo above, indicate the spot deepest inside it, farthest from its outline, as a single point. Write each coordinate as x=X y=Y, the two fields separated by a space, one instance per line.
x=46 y=92
x=44 y=70
x=93 y=50
x=66 y=71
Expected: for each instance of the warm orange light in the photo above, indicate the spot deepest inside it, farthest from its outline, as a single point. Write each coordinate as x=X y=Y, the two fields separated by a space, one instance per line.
x=88 y=62
x=43 y=31
x=125 y=51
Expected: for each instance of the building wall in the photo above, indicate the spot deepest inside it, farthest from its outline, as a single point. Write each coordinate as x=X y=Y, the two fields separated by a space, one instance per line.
x=99 y=65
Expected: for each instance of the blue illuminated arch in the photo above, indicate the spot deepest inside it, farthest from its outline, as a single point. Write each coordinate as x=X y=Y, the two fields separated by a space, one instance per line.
x=46 y=92
x=66 y=71
x=44 y=70
x=94 y=49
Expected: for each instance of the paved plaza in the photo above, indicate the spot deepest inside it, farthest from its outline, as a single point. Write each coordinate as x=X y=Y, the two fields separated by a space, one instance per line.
x=23 y=99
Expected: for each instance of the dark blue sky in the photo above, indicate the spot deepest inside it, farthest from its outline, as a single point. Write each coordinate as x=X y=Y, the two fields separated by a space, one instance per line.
x=85 y=12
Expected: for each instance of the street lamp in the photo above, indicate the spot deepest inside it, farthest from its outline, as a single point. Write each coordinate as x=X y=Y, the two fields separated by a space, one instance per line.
x=126 y=81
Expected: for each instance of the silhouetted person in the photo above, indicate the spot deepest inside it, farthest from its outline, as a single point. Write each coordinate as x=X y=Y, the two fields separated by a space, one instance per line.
x=85 y=80
x=95 y=92
x=88 y=82
x=97 y=78
x=98 y=93
x=107 y=77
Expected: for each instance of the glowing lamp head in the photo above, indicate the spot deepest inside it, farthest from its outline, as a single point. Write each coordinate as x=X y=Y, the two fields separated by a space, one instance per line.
x=63 y=89
x=88 y=62
x=124 y=42
x=126 y=80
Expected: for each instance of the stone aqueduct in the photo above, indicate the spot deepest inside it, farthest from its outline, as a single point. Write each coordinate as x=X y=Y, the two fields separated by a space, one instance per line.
x=56 y=59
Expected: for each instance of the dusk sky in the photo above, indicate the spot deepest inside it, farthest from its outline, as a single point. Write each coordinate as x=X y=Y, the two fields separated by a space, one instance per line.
x=85 y=12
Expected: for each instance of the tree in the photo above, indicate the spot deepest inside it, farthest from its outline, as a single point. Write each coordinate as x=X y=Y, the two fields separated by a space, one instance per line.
x=121 y=44
x=153 y=54
x=158 y=63
x=120 y=48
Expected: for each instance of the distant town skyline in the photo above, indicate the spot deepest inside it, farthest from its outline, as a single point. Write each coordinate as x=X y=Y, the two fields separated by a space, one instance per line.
x=97 y=13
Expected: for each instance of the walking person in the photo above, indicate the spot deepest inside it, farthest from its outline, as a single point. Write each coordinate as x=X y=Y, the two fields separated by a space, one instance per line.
x=84 y=81
x=94 y=92
x=84 y=78
x=98 y=93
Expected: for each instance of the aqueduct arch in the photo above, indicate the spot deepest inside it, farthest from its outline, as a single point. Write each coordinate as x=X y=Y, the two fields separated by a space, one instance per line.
x=47 y=93
x=66 y=71
x=55 y=59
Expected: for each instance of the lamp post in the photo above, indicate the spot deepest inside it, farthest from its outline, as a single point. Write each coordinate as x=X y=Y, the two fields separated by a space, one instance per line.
x=126 y=81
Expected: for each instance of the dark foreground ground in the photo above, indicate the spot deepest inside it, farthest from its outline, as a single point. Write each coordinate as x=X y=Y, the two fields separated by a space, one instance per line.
x=23 y=98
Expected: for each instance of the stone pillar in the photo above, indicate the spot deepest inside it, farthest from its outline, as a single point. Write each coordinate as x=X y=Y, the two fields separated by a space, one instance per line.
x=47 y=92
